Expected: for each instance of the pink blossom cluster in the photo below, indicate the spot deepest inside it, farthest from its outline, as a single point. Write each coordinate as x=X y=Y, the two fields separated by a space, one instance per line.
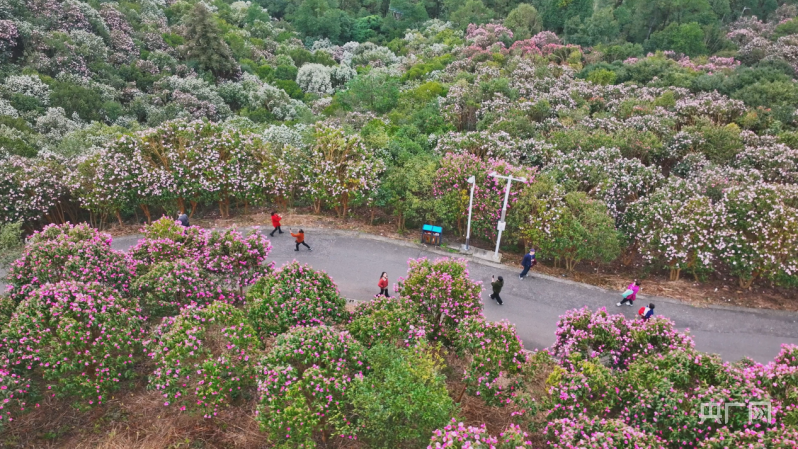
x=304 y=382
x=613 y=337
x=294 y=295
x=79 y=337
x=443 y=293
x=388 y=320
x=496 y=357
x=68 y=253
x=204 y=357
x=458 y=436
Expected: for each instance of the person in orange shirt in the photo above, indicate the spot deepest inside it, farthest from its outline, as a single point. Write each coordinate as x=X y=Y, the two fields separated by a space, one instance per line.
x=300 y=240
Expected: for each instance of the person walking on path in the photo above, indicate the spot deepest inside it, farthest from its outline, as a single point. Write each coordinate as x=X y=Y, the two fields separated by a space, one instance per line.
x=497 y=285
x=630 y=295
x=300 y=239
x=183 y=219
x=276 y=223
x=646 y=312
x=383 y=285
x=528 y=262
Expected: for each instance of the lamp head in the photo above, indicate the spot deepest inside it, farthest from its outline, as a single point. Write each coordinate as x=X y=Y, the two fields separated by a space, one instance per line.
x=472 y=180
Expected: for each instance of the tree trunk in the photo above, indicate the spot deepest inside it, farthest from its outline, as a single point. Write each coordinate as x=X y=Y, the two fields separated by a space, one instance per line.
x=181 y=204
x=675 y=272
x=146 y=210
x=746 y=283
x=193 y=209
x=119 y=217
x=462 y=392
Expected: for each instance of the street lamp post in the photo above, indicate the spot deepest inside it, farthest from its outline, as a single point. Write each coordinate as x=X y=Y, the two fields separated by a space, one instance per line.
x=502 y=223
x=473 y=181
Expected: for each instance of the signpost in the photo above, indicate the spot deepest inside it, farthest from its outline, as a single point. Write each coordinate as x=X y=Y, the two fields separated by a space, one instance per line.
x=502 y=223
x=473 y=181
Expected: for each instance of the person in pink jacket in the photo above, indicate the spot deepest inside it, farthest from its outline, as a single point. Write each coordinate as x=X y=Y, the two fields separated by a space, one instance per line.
x=630 y=294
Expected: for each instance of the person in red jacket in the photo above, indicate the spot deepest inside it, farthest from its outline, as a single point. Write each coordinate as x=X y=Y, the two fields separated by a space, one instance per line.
x=383 y=285
x=300 y=240
x=276 y=223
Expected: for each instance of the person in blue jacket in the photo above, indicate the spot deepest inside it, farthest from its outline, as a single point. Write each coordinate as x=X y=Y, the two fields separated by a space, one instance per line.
x=527 y=262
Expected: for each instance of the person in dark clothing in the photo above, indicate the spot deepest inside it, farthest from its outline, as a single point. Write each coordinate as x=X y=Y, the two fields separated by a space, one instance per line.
x=276 y=223
x=646 y=312
x=383 y=285
x=528 y=262
x=497 y=285
x=183 y=219
x=300 y=240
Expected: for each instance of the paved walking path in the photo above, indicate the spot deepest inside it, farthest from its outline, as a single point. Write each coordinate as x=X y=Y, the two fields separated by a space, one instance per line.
x=355 y=261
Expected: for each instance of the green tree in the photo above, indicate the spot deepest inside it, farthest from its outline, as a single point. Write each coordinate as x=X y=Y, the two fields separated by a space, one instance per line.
x=403 y=14
x=376 y=91
x=524 y=21
x=320 y=18
x=403 y=399
x=687 y=38
x=408 y=188
x=473 y=11
x=86 y=102
x=642 y=18
x=205 y=45
x=572 y=228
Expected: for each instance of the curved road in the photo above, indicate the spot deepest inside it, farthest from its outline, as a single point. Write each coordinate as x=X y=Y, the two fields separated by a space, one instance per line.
x=355 y=261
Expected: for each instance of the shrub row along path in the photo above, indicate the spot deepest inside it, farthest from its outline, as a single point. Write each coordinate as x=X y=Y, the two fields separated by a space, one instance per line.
x=355 y=261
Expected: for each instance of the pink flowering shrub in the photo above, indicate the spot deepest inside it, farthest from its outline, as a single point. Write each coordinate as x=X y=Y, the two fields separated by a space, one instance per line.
x=388 y=320
x=80 y=338
x=13 y=394
x=779 y=377
x=458 y=436
x=662 y=395
x=594 y=432
x=68 y=253
x=779 y=437
x=443 y=294
x=203 y=357
x=614 y=338
x=168 y=286
x=304 y=383
x=294 y=295
x=497 y=358
x=165 y=240
x=237 y=260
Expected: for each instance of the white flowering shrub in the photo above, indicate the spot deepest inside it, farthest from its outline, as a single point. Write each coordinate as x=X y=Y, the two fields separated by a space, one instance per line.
x=758 y=231
x=315 y=78
x=55 y=124
x=676 y=226
x=340 y=75
x=29 y=85
x=276 y=101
